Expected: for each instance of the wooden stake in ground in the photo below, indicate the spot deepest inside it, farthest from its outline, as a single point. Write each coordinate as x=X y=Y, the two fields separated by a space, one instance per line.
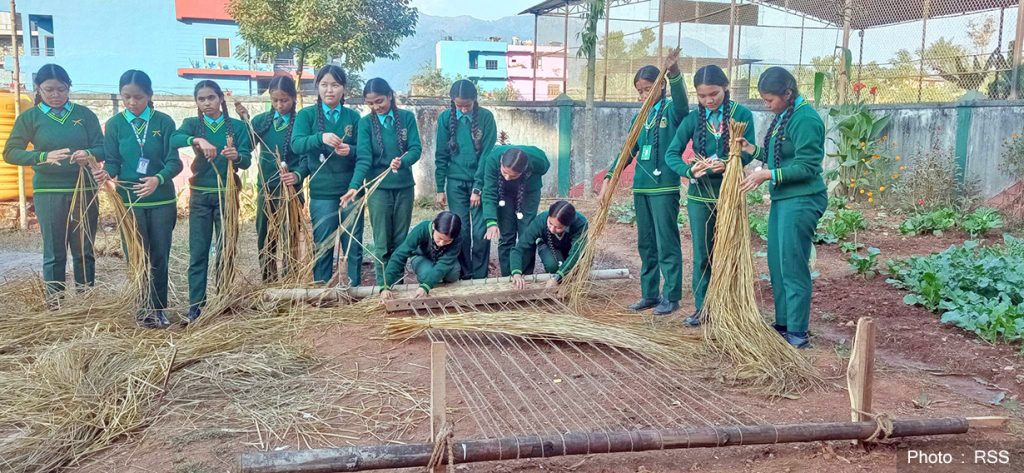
x=438 y=393
x=733 y=325
x=860 y=373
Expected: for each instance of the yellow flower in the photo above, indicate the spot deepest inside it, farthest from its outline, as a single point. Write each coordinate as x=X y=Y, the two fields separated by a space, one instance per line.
x=870 y=194
x=902 y=167
x=897 y=157
x=862 y=191
x=871 y=199
x=881 y=189
x=895 y=176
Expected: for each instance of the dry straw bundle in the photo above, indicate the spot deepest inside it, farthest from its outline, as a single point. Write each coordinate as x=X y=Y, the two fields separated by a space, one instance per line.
x=576 y=283
x=733 y=324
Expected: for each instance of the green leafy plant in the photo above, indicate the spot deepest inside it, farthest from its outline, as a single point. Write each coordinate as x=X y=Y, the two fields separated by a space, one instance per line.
x=981 y=221
x=758 y=225
x=850 y=247
x=935 y=222
x=865 y=264
x=623 y=212
x=863 y=155
x=977 y=288
x=756 y=197
x=836 y=225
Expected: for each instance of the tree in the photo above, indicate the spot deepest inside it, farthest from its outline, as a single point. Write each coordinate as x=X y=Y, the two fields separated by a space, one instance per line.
x=429 y=81
x=358 y=31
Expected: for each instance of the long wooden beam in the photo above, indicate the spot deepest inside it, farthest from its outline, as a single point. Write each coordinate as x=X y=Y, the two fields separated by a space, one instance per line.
x=377 y=457
x=362 y=292
x=482 y=299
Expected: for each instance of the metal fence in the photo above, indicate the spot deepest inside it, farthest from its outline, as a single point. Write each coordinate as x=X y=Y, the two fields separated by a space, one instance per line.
x=898 y=51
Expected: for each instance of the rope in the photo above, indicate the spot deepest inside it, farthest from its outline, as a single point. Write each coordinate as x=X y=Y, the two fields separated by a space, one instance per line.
x=883 y=426
x=442 y=443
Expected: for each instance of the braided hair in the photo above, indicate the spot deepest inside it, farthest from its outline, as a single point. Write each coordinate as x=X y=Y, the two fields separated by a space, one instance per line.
x=200 y=131
x=463 y=89
x=381 y=87
x=565 y=213
x=287 y=85
x=517 y=161
x=779 y=82
x=139 y=79
x=48 y=72
x=712 y=75
x=446 y=223
x=338 y=74
x=650 y=74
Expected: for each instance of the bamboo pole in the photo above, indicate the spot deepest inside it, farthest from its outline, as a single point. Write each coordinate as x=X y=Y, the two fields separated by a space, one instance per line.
x=1018 y=44
x=860 y=373
x=362 y=292
x=16 y=57
x=438 y=357
x=392 y=456
x=844 y=74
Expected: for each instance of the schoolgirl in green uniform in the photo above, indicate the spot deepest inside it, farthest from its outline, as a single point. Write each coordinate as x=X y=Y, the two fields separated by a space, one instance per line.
x=208 y=132
x=140 y=156
x=708 y=131
x=325 y=135
x=279 y=164
x=513 y=178
x=557 y=236
x=63 y=135
x=388 y=138
x=466 y=133
x=433 y=250
x=656 y=193
x=793 y=149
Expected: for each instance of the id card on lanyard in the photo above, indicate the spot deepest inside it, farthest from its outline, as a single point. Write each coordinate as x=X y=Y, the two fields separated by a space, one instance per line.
x=143 y=167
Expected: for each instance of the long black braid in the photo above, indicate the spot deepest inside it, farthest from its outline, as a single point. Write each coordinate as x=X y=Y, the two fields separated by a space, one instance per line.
x=518 y=161
x=474 y=128
x=287 y=85
x=449 y=224
x=565 y=213
x=712 y=75
x=453 y=123
x=403 y=136
x=465 y=90
x=779 y=82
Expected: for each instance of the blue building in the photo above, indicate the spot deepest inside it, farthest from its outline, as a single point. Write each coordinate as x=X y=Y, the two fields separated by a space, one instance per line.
x=176 y=42
x=483 y=62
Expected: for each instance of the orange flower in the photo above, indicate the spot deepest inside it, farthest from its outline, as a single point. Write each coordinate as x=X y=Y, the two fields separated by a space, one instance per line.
x=897 y=157
x=858 y=86
x=875 y=156
x=901 y=167
x=881 y=189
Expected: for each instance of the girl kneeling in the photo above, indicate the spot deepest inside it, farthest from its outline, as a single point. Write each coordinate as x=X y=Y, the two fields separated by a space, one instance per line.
x=433 y=249
x=557 y=236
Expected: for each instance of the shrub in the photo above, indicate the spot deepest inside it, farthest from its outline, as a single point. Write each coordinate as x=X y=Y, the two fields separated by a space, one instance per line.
x=865 y=264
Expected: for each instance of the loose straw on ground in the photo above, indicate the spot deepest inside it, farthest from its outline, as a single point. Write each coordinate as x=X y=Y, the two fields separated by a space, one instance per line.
x=733 y=325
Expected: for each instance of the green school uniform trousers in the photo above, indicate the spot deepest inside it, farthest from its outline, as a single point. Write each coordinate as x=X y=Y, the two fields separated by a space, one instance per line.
x=702 y=193
x=799 y=199
x=509 y=224
x=391 y=204
x=416 y=250
x=207 y=193
x=330 y=177
x=65 y=221
x=458 y=176
x=656 y=198
x=274 y=149
x=557 y=260
x=137 y=148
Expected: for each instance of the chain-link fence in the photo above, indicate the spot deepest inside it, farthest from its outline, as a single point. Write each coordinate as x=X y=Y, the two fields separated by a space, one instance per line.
x=897 y=51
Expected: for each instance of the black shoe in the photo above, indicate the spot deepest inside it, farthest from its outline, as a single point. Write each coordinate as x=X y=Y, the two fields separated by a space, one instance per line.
x=780 y=328
x=161 y=319
x=798 y=340
x=693 y=320
x=666 y=307
x=193 y=313
x=643 y=304
x=148 y=319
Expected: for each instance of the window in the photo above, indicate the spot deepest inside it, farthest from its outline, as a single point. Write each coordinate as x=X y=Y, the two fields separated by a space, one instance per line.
x=218 y=47
x=474 y=60
x=49 y=45
x=554 y=90
x=41 y=30
x=492 y=64
x=34 y=43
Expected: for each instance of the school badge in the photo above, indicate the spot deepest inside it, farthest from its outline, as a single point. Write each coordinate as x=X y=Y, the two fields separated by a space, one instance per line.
x=403 y=134
x=478 y=134
x=664 y=122
x=348 y=131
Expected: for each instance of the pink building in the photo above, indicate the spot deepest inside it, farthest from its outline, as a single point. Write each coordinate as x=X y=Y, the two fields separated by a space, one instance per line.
x=550 y=70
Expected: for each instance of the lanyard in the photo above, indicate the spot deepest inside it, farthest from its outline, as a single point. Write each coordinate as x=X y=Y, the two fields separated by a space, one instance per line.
x=141 y=139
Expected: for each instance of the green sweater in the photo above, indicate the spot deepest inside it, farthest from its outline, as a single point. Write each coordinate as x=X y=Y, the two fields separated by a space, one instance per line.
x=204 y=172
x=464 y=165
x=419 y=243
x=803 y=150
x=568 y=244
x=78 y=130
x=331 y=178
x=373 y=159
x=534 y=175
x=121 y=145
x=705 y=189
x=652 y=175
x=273 y=142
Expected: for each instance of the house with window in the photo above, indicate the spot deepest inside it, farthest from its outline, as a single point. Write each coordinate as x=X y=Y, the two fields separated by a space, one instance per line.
x=176 y=42
x=495 y=65
x=483 y=62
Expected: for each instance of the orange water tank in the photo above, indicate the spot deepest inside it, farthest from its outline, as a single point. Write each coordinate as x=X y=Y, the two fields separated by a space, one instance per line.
x=9 y=172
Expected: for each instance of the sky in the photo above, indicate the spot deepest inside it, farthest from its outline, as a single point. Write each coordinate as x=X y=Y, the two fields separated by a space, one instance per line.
x=484 y=10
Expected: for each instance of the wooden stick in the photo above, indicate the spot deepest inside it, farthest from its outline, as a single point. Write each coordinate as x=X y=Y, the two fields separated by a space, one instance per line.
x=860 y=372
x=438 y=358
x=487 y=298
x=988 y=422
x=394 y=456
x=362 y=292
